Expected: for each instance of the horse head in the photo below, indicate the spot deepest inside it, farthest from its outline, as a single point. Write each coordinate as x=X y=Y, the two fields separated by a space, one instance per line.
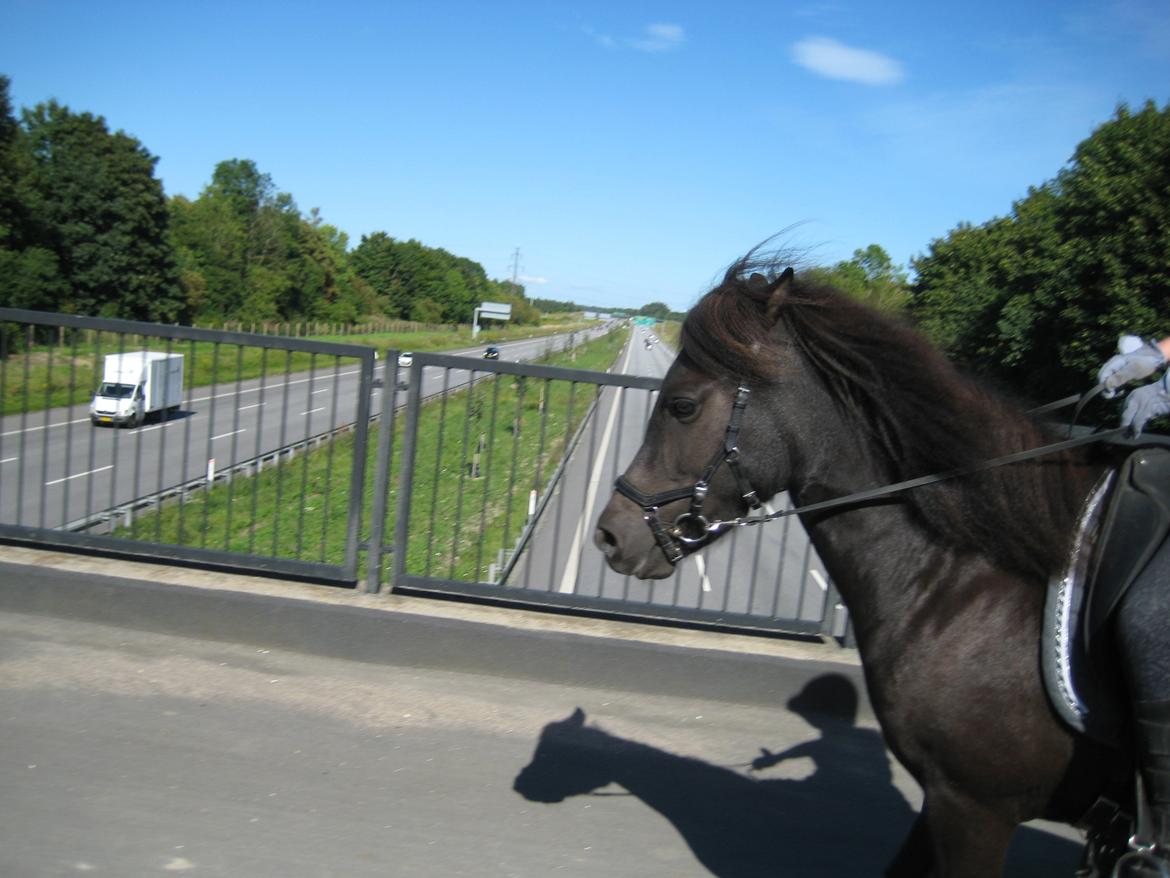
x=561 y=766
x=708 y=455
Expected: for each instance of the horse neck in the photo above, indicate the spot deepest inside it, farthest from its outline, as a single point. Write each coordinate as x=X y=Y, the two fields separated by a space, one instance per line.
x=654 y=776
x=885 y=564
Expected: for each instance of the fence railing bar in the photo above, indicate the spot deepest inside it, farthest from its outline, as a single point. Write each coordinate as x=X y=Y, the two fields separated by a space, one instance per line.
x=280 y=470
x=556 y=542
x=305 y=457
x=438 y=470
x=406 y=476
x=231 y=487
x=357 y=480
x=382 y=469
x=487 y=478
x=329 y=459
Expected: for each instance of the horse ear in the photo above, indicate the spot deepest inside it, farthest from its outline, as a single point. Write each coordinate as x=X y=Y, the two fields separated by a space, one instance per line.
x=780 y=289
x=757 y=283
x=577 y=719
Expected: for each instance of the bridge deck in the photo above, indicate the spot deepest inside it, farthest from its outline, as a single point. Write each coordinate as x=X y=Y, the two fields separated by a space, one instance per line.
x=189 y=722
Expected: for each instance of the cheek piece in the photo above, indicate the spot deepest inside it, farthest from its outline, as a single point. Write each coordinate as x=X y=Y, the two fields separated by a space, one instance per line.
x=691 y=528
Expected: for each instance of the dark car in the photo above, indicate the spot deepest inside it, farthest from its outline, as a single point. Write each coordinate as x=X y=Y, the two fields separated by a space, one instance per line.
x=491 y=354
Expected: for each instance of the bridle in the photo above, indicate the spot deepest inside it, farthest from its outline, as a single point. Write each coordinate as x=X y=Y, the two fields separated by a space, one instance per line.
x=692 y=528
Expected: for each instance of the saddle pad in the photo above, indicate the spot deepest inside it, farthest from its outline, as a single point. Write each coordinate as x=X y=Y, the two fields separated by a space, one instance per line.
x=1072 y=684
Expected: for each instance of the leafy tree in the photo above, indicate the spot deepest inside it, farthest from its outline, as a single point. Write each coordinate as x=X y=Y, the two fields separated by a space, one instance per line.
x=85 y=219
x=403 y=273
x=246 y=253
x=869 y=276
x=1037 y=299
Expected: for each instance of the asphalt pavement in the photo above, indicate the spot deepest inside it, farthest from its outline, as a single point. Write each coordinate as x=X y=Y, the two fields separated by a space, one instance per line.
x=158 y=720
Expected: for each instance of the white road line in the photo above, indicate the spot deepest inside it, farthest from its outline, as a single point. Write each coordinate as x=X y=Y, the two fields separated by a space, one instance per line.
x=818 y=578
x=311 y=411
x=9 y=459
x=78 y=475
x=225 y=435
x=569 y=579
x=155 y=427
x=701 y=566
x=254 y=405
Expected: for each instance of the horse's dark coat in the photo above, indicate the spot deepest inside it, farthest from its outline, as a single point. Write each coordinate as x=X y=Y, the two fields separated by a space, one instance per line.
x=944 y=585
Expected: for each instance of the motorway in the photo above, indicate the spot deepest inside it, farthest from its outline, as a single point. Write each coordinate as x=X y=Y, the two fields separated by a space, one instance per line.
x=57 y=470
x=768 y=571
x=158 y=721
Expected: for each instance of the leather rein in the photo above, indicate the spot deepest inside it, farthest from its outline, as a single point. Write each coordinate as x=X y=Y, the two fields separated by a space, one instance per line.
x=692 y=528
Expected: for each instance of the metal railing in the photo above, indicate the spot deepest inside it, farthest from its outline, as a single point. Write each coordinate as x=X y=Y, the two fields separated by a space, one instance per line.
x=452 y=476
x=167 y=487
x=500 y=487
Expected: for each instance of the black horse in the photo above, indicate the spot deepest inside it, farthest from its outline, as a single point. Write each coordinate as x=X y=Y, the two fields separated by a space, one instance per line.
x=945 y=584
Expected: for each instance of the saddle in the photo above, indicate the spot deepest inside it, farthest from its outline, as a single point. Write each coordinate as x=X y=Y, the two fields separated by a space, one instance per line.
x=1122 y=524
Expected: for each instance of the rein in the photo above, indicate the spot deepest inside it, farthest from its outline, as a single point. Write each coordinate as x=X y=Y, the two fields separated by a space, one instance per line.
x=692 y=528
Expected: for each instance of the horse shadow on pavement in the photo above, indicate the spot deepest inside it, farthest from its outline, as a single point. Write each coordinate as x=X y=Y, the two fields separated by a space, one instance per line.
x=845 y=818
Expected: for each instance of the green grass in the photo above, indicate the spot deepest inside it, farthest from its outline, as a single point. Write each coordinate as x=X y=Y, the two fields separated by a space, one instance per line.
x=459 y=519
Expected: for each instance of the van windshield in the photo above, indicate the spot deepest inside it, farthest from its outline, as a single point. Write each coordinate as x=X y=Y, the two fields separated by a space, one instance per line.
x=116 y=391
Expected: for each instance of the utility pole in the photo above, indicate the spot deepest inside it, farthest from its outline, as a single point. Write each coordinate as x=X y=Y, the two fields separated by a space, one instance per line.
x=515 y=265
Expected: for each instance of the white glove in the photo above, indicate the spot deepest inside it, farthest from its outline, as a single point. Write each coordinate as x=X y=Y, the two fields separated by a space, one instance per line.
x=1135 y=359
x=1145 y=403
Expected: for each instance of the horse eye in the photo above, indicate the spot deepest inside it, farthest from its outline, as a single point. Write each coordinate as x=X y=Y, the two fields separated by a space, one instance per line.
x=682 y=408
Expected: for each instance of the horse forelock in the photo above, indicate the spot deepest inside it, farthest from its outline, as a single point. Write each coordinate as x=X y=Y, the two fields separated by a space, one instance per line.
x=922 y=415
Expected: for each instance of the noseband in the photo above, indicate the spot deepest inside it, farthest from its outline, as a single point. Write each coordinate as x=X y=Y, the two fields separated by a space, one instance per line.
x=692 y=528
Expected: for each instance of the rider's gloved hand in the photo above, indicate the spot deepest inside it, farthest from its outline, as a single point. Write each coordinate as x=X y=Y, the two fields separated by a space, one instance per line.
x=1136 y=359
x=1146 y=403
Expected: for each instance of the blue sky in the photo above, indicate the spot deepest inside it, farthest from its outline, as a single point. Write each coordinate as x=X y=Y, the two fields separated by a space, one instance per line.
x=632 y=150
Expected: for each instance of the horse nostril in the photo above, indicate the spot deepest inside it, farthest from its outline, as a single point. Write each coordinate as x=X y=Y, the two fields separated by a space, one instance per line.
x=605 y=541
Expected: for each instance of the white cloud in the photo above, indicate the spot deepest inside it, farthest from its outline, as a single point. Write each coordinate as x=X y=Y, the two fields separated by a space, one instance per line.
x=827 y=57
x=659 y=38
x=532 y=280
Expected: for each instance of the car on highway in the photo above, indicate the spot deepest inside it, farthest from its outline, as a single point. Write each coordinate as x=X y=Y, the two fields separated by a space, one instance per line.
x=492 y=353
x=405 y=359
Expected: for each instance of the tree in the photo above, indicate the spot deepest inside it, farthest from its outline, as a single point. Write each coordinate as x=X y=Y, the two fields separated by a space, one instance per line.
x=1037 y=299
x=870 y=276
x=94 y=206
x=657 y=310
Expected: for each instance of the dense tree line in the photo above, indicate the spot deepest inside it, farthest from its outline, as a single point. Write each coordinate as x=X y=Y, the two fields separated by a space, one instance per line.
x=1036 y=299
x=86 y=228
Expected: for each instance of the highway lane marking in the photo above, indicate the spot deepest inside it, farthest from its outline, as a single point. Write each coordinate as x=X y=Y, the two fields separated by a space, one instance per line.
x=9 y=459
x=156 y=427
x=569 y=579
x=254 y=405
x=225 y=435
x=79 y=475
x=311 y=411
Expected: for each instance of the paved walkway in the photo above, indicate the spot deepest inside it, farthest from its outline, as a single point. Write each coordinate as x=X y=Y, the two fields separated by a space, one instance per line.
x=174 y=724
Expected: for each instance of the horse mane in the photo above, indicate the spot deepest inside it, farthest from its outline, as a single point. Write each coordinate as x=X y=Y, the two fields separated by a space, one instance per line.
x=921 y=413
